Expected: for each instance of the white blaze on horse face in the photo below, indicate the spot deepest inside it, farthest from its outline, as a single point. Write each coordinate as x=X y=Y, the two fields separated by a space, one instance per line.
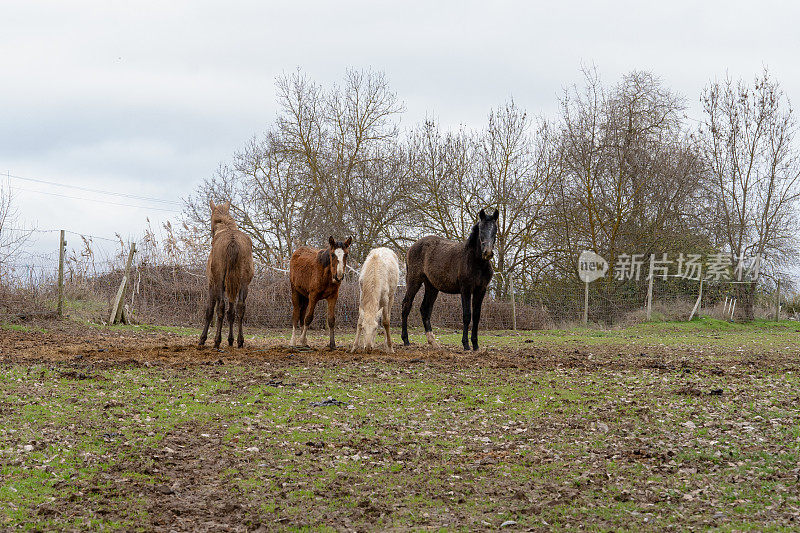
x=339 y=253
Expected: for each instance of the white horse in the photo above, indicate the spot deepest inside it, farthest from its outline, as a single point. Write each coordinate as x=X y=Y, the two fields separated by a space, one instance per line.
x=379 y=276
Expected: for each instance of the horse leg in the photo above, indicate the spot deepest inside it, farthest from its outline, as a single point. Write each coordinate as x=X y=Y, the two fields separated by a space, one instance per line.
x=387 y=315
x=298 y=311
x=358 y=335
x=426 y=309
x=212 y=302
x=477 y=303
x=332 y=319
x=240 y=307
x=308 y=317
x=303 y=310
x=466 y=316
x=412 y=287
x=231 y=319
x=220 y=318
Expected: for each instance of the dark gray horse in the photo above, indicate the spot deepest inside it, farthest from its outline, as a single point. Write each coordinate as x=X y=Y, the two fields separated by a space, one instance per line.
x=451 y=267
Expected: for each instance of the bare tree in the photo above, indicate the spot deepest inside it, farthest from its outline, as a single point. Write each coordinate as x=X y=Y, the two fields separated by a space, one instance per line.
x=749 y=140
x=517 y=177
x=342 y=141
x=445 y=194
x=12 y=236
x=332 y=164
x=378 y=206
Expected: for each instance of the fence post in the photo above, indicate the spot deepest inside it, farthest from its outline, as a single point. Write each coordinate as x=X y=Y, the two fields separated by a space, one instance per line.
x=699 y=297
x=586 y=303
x=62 y=245
x=650 y=289
x=117 y=307
x=778 y=301
x=513 y=302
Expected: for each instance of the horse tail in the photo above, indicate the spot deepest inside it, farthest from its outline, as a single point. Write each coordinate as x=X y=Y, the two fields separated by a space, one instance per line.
x=230 y=276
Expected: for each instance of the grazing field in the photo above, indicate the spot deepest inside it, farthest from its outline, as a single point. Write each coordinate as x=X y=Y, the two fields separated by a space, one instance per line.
x=655 y=427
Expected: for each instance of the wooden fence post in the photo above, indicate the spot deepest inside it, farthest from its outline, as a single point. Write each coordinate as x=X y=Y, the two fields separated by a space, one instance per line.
x=513 y=303
x=586 y=303
x=117 y=314
x=650 y=289
x=778 y=301
x=62 y=245
x=699 y=298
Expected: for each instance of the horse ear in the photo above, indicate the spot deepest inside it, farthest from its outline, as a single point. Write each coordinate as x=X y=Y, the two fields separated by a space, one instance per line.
x=211 y=204
x=332 y=241
x=348 y=242
x=227 y=205
x=482 y=214
x=496 y=214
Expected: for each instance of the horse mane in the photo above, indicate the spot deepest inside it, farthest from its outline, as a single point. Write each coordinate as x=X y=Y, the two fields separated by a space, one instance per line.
x=472 y=240
x=324 y=257
x=226 y=221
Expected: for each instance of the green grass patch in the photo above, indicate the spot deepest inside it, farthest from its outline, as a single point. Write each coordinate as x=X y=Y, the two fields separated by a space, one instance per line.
x=21 y=327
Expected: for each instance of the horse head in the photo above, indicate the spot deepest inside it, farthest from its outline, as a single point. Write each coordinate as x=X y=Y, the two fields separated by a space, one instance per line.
x=369 y=323
x=487 y=233
x=219 y=213
x=339 y=251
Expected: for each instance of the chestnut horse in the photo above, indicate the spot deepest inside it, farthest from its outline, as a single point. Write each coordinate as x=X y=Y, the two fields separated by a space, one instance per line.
x=316 y=275
x=453 y=268
x=229 y=272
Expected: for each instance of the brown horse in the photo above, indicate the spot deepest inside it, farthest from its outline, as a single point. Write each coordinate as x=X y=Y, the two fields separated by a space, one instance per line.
x=229 y=272
x=316 y=275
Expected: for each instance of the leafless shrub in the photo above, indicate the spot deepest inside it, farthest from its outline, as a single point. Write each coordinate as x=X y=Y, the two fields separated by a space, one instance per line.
x=12 y=236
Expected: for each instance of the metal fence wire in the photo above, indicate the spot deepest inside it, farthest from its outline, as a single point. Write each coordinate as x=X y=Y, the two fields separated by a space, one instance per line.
x=177 y=294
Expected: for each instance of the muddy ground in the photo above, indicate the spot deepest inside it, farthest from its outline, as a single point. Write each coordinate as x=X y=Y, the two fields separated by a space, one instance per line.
x=530 y=435
x=68 y=342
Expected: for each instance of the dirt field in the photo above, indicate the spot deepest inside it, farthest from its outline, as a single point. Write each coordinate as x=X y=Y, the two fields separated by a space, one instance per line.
x=660 y=427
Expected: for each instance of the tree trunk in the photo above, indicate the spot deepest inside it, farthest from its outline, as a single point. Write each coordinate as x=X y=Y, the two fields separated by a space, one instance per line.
x=746 y=297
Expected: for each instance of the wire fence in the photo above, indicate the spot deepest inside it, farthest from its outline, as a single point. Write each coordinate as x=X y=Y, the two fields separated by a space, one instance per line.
x=177 y=294
x=557 y=303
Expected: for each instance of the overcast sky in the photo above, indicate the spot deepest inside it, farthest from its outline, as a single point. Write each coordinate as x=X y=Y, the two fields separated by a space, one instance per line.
x=147 y=98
